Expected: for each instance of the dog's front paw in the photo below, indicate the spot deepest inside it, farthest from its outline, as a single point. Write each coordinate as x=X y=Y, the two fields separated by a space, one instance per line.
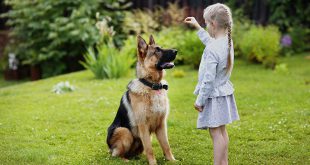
x=170 y=157
x=152 y=162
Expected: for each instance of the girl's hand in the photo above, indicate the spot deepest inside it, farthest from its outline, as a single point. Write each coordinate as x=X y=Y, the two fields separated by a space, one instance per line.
x=192 y=21
x=198 y=108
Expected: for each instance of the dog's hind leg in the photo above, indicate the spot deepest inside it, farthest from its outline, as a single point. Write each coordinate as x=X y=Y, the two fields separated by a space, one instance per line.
x=121 y=141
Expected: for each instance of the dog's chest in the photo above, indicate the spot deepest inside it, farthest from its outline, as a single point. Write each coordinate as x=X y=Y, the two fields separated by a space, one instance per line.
x=159 y=101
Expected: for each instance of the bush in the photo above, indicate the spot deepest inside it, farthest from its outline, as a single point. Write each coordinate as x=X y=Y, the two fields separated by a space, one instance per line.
x=49 y=30
x=147 y=21
x=261 y=45
x=178 y=73
x=281 y=68
x=300 y=38
x=173 y=15
x=139 y=21
x=55 y=34
x=108 y=63
x=240 y=26
x=191 y=49
x=289 y=13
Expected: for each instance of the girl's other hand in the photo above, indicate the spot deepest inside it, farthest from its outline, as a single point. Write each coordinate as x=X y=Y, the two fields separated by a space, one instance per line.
x=198 y=108
x=192 y=21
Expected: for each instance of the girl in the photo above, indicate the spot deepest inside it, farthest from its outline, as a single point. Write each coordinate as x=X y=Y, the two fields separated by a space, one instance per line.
x=215 y=100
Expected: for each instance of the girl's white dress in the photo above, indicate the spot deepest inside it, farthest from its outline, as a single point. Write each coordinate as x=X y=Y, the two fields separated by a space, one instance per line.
x=214 y=90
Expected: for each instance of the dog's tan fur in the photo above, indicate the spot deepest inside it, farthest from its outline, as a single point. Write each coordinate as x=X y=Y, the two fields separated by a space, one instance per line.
x=149 y=108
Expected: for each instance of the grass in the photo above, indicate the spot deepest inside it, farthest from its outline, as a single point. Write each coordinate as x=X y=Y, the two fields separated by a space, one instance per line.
x=40 y=127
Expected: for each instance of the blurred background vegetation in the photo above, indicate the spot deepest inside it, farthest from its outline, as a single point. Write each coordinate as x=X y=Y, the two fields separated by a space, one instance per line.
x=51 y=37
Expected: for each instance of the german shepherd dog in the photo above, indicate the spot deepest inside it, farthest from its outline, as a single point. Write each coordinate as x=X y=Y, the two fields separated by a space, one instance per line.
x=144 y=107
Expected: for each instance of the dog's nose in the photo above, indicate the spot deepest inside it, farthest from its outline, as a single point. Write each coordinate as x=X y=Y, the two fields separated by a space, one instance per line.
x=174 y=51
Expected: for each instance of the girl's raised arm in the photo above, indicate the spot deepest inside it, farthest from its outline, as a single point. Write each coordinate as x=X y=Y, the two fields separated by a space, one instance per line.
x=202 y=34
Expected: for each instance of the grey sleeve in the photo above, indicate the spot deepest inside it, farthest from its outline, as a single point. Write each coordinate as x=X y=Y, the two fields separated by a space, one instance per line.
x=207 y=84
x=204 y=36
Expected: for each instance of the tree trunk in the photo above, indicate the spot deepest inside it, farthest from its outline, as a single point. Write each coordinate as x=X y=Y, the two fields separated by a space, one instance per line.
x=35 y=72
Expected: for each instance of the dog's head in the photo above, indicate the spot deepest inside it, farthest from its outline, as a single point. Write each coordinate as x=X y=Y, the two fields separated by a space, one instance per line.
x=152 y=56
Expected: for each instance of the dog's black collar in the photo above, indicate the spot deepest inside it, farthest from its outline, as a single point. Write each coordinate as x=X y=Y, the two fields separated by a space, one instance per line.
x=154 y=86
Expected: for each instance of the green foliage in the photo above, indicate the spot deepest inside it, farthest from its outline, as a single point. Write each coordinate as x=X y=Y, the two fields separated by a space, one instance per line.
x=281 y=68
x=109 y=63
x=51 y=32
x=292 y=17
x=148 y=21
x=173 y=15
x=241 y=24
x=289 y=13
x=130 y=46
x=178 y=73
x=300 y=38
x=139 y=21
x=48 y=29
x=261 y=45
x=115 y=10
x=191 y=48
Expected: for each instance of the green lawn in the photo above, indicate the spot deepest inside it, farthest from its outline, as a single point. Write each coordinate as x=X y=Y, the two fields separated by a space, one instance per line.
x=40 y=127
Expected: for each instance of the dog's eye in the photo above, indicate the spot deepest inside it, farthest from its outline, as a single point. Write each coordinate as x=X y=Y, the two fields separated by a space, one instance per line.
x=157 y=49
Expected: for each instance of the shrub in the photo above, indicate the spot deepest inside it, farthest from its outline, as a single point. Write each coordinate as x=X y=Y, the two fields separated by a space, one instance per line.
x=240 y=26
x=49 y=30
x=147 y=21
x=191 y=49
x=261 y=45
x=281 y=68
x=108 y=63
x=300 y=38
x=130 y=46
x=140 y=21
x=178 y=73
x=289 y=13
x=173 y=15
x=55 y=34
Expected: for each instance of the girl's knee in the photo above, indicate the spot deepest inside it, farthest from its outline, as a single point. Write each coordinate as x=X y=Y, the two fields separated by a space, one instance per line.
x=215 y=132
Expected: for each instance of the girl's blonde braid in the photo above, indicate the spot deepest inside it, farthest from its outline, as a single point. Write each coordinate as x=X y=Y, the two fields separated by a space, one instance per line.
x=229 y=28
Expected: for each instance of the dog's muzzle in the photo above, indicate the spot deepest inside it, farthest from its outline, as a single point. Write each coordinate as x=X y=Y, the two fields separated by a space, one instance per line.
x=165 y=62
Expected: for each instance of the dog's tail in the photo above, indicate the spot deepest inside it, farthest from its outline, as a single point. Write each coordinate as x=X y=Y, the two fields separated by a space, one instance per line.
x=121 y=141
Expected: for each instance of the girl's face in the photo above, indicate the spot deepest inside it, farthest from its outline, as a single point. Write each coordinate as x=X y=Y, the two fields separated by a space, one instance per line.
x=210 y=28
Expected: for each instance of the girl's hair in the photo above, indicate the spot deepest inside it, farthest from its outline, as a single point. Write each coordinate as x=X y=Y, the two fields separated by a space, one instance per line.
x=222 y=15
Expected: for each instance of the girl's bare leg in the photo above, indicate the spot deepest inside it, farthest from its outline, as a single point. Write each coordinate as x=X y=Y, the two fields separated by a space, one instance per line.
x=226 y=139
x=219 y=145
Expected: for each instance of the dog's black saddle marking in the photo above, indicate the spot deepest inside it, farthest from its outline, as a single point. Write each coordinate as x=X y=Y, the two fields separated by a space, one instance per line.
x=121 y=118
x=154 y=86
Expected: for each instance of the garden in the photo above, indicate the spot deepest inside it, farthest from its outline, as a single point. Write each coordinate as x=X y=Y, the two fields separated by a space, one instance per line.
x=82 y=55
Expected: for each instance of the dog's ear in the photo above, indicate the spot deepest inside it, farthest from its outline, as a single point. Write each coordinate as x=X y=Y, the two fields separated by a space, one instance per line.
x=152 y=41
x=142 y=47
